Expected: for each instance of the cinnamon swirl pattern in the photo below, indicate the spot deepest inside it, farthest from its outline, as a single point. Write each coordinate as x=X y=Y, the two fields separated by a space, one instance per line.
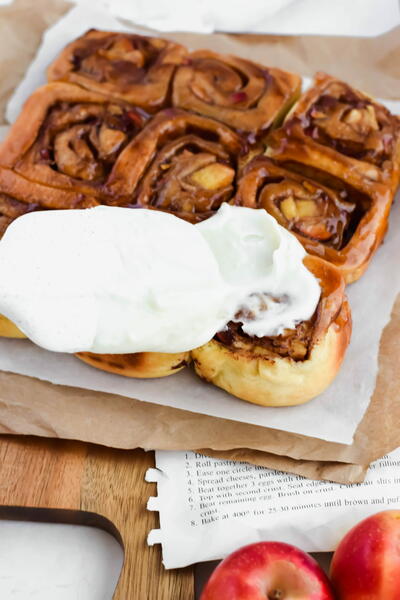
x=66 y=142
x=246 y=96
x=345 y=128
x=137 y=121
x=184 y=164
x=340 y=223
x=127 y=67
x=267 y=371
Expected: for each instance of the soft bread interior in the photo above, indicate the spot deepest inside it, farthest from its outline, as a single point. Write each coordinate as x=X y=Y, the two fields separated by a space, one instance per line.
x=9 y=330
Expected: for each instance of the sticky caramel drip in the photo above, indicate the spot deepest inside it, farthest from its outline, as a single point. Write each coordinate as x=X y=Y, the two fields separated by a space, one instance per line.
x=292 y=343
x=309 y=209
x=194 y=168
x=351 y=123
x=84 y=140
x=11 y=208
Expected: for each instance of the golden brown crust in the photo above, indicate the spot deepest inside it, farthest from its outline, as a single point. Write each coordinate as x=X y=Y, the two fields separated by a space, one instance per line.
x=69 y=139
x=19 y=195
x=260 y=376
x=128 y=67
x=181 y=163
x=139 y=365
x=346 y=130
x=9 y=330
x=247 y=96
x=343 y=222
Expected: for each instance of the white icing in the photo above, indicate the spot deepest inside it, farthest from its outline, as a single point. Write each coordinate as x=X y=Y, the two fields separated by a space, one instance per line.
x=263 y=264
x=119 y=280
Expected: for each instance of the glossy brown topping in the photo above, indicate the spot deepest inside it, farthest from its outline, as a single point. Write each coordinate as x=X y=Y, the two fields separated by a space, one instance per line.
x=296 y=343
x=187 y=164
x=131 y=67
x=309 y=209
x=63 y=147
x=247 y=96
x=10 y=209
x=83 y=140
x=292 y=343
x=122 y=59
x=334 y=114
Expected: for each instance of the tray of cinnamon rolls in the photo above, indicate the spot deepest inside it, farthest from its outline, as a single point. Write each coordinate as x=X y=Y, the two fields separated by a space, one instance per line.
x=235 y=190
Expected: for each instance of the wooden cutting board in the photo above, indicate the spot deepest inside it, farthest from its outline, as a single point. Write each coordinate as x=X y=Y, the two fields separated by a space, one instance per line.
x=72 y=482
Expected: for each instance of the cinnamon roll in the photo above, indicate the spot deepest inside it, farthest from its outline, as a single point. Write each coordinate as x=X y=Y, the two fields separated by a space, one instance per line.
x=64 y=146
x=290 y=368
x=247 y=96
x=124 y=66
x=181 y=163
x=341 y=223
x=140 y=365
x=344 y=129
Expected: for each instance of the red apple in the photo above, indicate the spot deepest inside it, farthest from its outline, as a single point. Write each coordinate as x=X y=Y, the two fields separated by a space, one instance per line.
x=366 y=564
x=268 y=571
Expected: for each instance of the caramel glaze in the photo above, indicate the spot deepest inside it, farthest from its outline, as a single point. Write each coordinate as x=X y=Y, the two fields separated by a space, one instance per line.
x=10 y=209
x=296 y=344
x=128 y=67
x=333 y=115
x=309 y=209
x=70 y=140
x=182 y=163
x=372 y=199
x=248 y=97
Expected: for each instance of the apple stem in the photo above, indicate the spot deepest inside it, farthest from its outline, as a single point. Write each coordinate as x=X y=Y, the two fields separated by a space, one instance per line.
x=275 y=595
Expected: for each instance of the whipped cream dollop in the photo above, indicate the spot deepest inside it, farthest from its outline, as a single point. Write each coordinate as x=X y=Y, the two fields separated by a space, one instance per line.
x=271 y=289
x=120 y=280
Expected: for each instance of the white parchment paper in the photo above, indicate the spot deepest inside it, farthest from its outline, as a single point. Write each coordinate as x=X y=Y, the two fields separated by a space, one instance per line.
x=209 y=508
x=333 y=416
x=293 y=17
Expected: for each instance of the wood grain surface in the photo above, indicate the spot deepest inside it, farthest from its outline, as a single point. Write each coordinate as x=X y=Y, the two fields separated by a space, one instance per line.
x=73 y=482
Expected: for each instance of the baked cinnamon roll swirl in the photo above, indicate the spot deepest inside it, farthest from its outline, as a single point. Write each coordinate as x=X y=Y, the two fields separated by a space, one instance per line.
x=341 y=223
x=347 y=128
x=247 y=96
x=181 y=163
x=290 y=368
x=128 y=67
x=67 y=141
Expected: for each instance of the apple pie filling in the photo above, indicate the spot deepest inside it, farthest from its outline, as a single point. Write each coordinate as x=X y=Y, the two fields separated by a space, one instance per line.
x=350 y=123
x=192 y=169
x=134 y=68
x=84 y=140
x=121 y=58
x=314 y=211
x=292 y=343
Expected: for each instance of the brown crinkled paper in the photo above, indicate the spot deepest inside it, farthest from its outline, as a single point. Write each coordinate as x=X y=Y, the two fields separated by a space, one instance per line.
x=33 y=407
